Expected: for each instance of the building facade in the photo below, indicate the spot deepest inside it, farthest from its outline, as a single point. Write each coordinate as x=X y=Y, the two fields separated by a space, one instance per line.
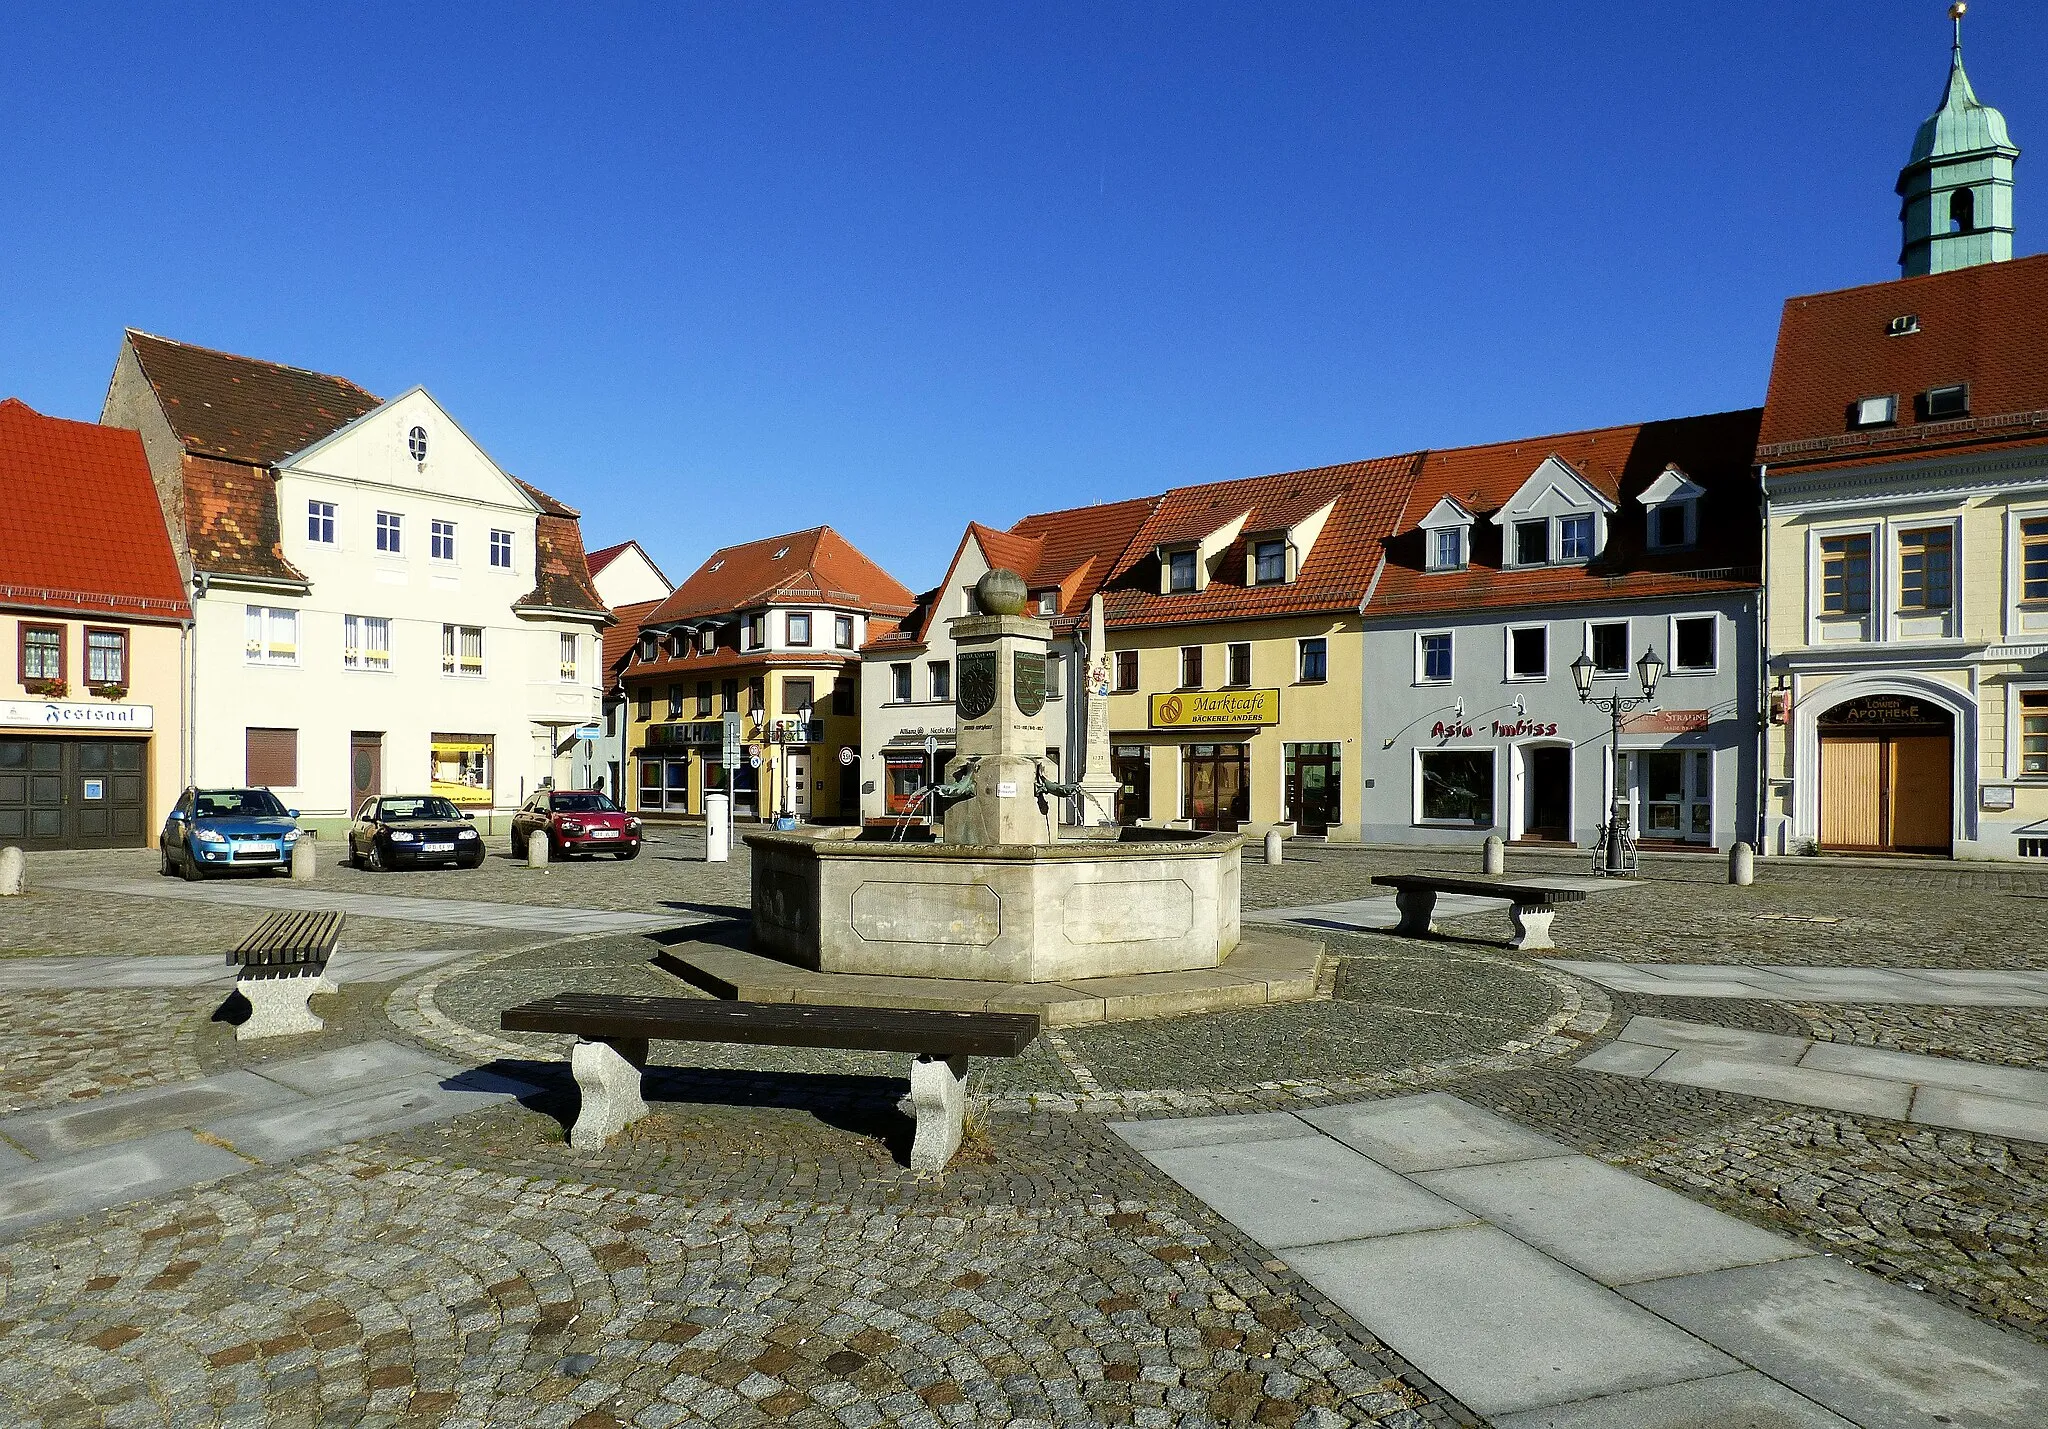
x=378 y=608
x=767 y=634
x=94 y=615
x=1511 y=561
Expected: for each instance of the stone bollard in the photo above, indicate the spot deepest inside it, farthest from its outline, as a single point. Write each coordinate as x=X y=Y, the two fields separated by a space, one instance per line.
x=1493 y=857
x=537 y=851
x=1742 y=865
x=1273 y=845
x=304 y=864
x=13 y=873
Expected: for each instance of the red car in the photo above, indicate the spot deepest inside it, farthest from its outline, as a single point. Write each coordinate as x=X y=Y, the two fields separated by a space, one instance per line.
x=576 y=821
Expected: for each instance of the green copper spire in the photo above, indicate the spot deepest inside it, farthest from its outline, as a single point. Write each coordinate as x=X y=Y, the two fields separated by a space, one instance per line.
x=1957 y=186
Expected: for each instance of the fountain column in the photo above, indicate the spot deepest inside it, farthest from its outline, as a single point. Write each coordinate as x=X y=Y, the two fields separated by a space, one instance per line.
x=999 y=702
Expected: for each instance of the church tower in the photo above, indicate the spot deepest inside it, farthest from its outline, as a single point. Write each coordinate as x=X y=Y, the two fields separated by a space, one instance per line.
x=1957 y=187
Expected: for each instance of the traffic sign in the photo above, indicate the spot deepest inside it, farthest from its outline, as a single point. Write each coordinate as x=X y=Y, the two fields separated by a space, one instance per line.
x=931 y=744
x=732 y=739
x=846 y=756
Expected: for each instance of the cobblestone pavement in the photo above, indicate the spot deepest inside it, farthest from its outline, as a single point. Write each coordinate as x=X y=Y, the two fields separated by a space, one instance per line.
x=754 y=1251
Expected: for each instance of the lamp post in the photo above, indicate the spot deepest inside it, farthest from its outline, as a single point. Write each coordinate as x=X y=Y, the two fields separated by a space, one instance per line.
x=1619 y=850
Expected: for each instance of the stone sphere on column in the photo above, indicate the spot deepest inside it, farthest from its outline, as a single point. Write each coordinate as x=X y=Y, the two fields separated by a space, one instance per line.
x=1001 y=592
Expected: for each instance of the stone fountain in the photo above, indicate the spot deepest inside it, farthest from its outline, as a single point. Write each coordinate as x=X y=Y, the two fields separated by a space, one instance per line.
x=1002 y=898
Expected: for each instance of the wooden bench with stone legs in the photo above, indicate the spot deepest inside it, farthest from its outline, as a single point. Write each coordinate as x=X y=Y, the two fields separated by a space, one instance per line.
x=283 y=963
x=612 y=1033
x=1534 y=904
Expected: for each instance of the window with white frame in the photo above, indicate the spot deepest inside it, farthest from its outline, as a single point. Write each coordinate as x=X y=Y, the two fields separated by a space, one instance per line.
x=2033 y=734
x=270 y=635
x=1447 y=548
x=707 y=640
x=1180 y=571
x=320 y=522
x=501 y=550
x=757 y=631
x=941 y=673
x=1529 y=652
x=1269 y=563
x=441 y=541
x=1575 y=538
x=842 y=632
x=2034 y=560
x=366 y=642
x=899 y=684
x=1433 y=658
x=1694 y=644
x=1845 y=574
x=1673 y=524
x=1053 y=686
x=1454 y=786
x=570 y=658
x=1926 y=568
x=1607 y=647
x=1531 y=543
x=390 y=533
x=462 y=650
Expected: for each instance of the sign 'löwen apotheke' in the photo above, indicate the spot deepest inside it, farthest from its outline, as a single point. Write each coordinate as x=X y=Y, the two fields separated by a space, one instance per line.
x=1187 y=709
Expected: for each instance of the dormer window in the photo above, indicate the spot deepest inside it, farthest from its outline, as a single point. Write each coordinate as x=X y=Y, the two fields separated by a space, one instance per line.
x=1575 y=538
x=1671 y=510
x=647 y=648
x=1180 y=571
x=1447 y=549
x=757 y=631
x=1557 y=516
x=676 y=646
x=1945 y=404
x=1671 y=525
x=1269 y=563
x=1048 y=602
x=1532 y=543
x=1874 y=412
x=707 y=640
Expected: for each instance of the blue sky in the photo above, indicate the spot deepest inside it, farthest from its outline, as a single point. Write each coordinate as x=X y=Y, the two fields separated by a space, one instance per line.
x=715 y=272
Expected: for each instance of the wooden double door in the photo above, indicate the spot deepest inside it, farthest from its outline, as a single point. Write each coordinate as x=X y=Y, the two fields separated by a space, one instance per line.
x=1886 y=793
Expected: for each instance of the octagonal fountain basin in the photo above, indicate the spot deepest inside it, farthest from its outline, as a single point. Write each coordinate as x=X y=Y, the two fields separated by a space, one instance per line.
x=1148 y=901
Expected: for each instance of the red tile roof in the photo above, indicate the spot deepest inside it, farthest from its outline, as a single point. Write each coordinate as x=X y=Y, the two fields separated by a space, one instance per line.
x=81 y=530
x=231 y=520
x=239 y=408
x=815 y=567
x=1333 y=578
x=1715 y=452
x=620 y=637
x=562 y=580
x=1985 y=325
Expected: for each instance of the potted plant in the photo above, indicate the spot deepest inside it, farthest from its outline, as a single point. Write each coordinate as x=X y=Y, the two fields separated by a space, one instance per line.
x=48 y=689
x=111 y=692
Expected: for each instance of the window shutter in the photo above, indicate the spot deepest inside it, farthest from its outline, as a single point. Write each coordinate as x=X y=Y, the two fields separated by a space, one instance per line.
x=273 y=758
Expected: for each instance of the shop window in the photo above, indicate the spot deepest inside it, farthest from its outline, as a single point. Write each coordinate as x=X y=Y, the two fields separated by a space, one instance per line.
x=1845 y=575
x=2034 y=559
x=462 y=768
x=1926 y=568
x=940 y=679
x=1180 y=571
x=797 y=627
x=899 y=684
x=1269 y=559
x=1131 y=765
x=1191 y=667
x=501 y=550
x=1126 y=670
x=42 y=653
x=2034 y=734
x=906 y=782
x=1693 y=643
x=1609 y=651
x=271 y=758
x=390 y=533
x=1456 y=787
x=106 y=657
x=1315 y=660
x=320 y=522
x=797 y=696
x=1433 y=659
x=843 y=697
x=1239 y=660
x=1529 y=653
x=842 y=631
x=1575 y=538
x=1215 y=786
x=1314 y=786
x=704 y=703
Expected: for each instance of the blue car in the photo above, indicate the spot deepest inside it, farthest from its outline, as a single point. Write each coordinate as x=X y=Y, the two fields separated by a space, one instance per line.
x=213 y=830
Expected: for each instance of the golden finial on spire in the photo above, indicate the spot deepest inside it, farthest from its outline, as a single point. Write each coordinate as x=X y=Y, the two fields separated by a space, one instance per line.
x=1956 y=13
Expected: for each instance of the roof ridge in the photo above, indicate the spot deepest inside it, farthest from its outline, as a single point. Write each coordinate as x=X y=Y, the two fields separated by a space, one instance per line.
x=260 y=361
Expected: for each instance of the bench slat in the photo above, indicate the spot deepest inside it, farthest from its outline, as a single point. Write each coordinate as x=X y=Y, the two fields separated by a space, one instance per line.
x=289 y=939
x=1482 y=886
x=778 y=1024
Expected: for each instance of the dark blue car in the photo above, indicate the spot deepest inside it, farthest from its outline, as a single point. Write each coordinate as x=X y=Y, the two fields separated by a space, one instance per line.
x=213 y=830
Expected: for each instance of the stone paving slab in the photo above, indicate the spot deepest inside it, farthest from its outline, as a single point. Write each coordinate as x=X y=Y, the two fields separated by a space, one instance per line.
x=1939 y=987
x=356 y=1065
x=66 y=1130
x=1431 y=1132
x=1605 y=1223
x=1709 y=1040
x=282 y=1132
x=1175 y=1133
x=1837 y=1091
x=1966 y=1111
x=1499 y=1324
x=525 y=917
x=201 y=970
x=1746 y=1400
x=2012 y=1083
x=1305 y=1190
x=109 y=1176
x=1881 y=1356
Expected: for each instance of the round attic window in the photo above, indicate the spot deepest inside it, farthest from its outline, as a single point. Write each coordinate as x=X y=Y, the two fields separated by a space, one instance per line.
x=416 y=443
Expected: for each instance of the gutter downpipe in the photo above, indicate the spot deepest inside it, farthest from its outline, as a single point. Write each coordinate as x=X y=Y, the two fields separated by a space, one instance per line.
x=1763 y=664
x=191 y=691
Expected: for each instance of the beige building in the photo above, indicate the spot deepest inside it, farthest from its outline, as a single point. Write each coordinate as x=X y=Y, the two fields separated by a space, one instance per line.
x=94 y=618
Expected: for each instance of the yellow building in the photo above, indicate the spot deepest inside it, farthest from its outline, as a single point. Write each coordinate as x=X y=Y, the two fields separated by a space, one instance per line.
x=1905 y=450
x=768 y=632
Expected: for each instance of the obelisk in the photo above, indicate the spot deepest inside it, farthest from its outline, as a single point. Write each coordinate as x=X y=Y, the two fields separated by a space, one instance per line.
x=1098 y=776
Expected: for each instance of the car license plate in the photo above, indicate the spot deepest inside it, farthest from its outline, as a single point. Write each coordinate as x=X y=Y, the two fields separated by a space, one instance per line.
x=604 y=833
x=440 y=848
x=255 y=848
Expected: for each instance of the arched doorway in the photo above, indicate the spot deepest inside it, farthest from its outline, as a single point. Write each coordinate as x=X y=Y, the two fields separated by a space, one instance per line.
x=1887 y=769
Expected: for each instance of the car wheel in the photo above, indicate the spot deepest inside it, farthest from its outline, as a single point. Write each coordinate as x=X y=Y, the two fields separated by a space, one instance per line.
x=376 y=862
x=167 y=869
x=193 y=870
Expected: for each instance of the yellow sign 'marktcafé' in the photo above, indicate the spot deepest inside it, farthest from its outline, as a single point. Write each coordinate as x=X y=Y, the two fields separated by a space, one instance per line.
x=1186 y=708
